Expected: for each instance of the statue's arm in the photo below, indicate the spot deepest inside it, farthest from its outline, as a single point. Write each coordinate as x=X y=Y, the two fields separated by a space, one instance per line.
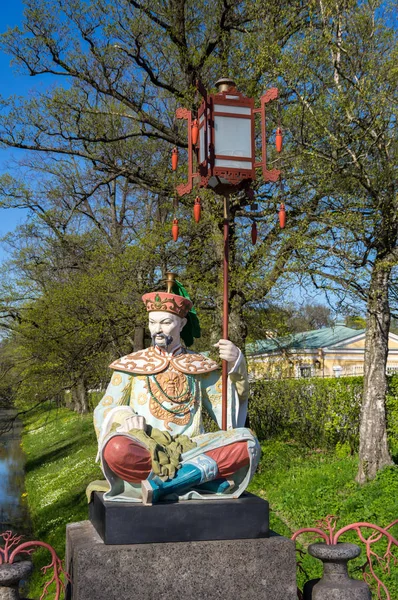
x=238 y=393
x=117 y=395
x=237 y=369
x=239 y=377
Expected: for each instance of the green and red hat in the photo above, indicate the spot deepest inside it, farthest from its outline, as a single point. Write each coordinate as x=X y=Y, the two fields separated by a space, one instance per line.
x=178 y=303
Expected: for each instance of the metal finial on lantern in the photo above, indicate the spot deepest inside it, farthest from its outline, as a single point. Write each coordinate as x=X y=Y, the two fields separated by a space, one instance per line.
x=225 y=84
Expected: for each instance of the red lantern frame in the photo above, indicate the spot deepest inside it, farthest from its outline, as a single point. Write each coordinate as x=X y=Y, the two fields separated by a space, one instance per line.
x=222 y=178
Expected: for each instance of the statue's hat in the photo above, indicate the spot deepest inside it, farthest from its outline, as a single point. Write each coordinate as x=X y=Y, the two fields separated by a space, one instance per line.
x=176 y=301
x=172 y=303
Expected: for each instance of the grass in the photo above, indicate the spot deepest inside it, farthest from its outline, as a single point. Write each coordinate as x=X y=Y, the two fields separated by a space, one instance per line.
x=303 y=486
x=300 y=485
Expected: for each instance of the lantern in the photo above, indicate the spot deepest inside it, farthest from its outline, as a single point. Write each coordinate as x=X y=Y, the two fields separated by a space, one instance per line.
x=195 y=132
x=254 y=233
x=225 y=148
x=197 y=209
x=278 y=140
x=174 y=230
x=174 y=159
x=282 y=216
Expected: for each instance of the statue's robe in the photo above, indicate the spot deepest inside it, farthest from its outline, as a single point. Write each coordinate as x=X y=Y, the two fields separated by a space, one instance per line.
x=133 y=391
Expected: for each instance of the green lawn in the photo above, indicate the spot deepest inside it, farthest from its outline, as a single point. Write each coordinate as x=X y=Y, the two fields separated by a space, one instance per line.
x=60 y=448
x=301 y=486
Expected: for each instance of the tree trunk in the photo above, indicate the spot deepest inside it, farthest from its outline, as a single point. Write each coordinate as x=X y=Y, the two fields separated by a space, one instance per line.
x=79 y=392
x=139 y=333
x=373 y=448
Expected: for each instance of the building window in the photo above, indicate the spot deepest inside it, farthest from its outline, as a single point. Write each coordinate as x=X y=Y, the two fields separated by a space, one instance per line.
x=305 y=371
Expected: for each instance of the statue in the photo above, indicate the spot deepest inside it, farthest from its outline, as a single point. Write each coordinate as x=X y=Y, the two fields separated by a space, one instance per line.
x=151 y=440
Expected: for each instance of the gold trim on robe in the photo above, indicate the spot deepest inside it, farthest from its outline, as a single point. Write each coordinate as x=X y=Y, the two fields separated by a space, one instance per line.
x=152 y=360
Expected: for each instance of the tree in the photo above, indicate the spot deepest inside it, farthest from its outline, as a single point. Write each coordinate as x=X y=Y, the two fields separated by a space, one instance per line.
x=136 y=62
x=272 y=320
x=341 y=81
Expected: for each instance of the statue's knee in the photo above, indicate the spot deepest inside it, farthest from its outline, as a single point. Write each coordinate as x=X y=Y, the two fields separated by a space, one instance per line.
x=115 y=450
x=128 y=459
x=230 y=458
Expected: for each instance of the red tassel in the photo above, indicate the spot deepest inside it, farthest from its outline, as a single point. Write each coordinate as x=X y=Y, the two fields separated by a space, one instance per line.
x=278 y=139
x=195 y=132
x=282 y=216
x=254 y=233
x=174 y=230
x=174 y=158
x=197 y=209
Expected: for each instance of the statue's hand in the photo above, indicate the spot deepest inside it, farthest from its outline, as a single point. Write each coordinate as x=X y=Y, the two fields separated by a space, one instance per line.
x=135 y=422
x=228 y=351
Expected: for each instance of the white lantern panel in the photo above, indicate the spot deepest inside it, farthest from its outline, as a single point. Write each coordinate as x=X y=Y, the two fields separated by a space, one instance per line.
x=233 y=137
x=202 y=149
x=233 y=164
x=237 y=110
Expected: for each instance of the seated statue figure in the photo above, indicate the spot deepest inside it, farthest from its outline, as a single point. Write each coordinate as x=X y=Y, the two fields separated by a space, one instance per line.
x=151 y=440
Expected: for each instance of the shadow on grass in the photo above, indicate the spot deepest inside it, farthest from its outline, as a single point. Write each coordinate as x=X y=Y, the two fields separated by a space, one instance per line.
x=60 y=452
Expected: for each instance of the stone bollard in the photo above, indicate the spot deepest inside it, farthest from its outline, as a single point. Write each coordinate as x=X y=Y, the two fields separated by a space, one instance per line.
x=10 y=577
x=335 y=583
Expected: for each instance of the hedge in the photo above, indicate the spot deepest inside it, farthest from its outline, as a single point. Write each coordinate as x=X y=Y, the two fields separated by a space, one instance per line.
x=317 y=412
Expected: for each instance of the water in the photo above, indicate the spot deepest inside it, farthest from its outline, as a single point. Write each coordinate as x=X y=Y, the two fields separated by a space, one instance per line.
x=13 y=510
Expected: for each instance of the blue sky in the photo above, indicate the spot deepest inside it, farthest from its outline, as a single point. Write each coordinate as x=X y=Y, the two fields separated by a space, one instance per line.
x=11 y=15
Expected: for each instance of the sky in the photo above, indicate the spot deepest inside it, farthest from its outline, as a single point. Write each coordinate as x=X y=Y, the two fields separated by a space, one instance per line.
x=11 y=15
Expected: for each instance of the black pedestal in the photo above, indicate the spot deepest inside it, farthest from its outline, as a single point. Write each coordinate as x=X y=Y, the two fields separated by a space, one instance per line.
x=246 y=517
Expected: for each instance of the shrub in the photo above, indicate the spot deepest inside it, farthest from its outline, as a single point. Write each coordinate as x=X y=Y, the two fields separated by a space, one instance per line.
x=315 y=412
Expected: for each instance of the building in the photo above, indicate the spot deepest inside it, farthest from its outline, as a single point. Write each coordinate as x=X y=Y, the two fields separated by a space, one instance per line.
x=327 y=352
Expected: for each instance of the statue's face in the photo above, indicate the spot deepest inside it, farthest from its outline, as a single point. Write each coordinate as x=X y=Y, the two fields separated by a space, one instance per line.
x=165 y=329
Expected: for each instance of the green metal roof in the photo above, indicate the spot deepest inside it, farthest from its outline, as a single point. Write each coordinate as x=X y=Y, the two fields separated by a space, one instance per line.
x=307 y=340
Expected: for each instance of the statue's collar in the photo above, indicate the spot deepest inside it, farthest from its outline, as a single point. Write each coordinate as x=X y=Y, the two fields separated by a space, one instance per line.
x=154 y=360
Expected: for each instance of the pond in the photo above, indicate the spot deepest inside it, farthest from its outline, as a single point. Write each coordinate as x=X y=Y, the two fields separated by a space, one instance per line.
x=13 y=509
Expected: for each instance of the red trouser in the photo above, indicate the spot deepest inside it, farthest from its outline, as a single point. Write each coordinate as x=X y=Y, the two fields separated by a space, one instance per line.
x=132 y=463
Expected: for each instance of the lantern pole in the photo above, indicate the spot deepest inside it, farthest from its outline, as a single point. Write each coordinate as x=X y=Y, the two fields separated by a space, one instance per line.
x=225 y=312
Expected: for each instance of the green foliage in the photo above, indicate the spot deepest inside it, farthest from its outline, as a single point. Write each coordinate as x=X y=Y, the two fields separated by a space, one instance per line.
x=316 y=412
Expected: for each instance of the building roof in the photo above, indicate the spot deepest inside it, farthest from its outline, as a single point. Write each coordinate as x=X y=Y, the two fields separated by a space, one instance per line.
x=307 y=340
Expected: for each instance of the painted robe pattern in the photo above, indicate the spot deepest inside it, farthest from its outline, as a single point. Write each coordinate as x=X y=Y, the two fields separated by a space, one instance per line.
x=170 y=390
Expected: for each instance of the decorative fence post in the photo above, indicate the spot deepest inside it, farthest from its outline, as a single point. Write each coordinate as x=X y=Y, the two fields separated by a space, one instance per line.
x=335 y=582
x=11 y=573
x=10 y=577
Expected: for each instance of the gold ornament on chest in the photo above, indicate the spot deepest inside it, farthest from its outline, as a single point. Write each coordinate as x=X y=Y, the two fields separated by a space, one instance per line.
x=172 y=395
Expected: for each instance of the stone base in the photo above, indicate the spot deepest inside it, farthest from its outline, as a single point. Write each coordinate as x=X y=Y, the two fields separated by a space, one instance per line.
x=257 y=569
x=194 y=520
